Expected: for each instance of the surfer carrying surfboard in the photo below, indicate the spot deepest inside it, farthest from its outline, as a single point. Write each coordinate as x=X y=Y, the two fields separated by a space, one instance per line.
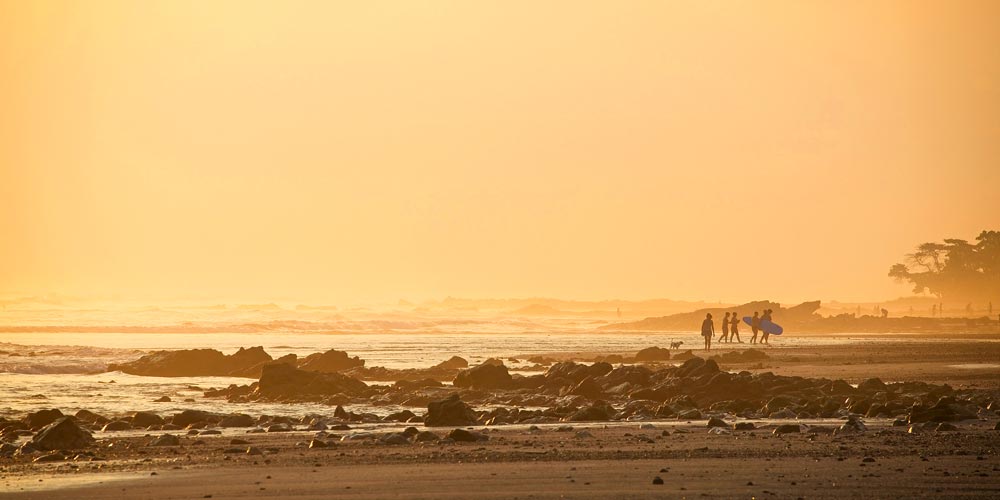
x=765 y=318
x=754 y=326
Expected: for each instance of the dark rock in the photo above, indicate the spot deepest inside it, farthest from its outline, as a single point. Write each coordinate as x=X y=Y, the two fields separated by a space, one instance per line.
x=484 y=376
x=453 y=363
x=63 y=434
x=117 y=425
x=192 y=363
x=237 y=420
x=188 y=417
x=145 y=419
x=316 y=443
x=330 y=362
x=395 y=438
x=598 y=411
x=653 y=354
x=587 y=388
x=91 y=417
x=279 y=428
x=425 y=436
x=657 y=480
x=278 y=380
x=872 y=385
x=787 y=429
x=162 y=399
x=744 y=426
x=41 y=418
x=450 y=411
x=399 y=416
x=717 y=422
x=689 y=415
x=166 y=440
x=462 y=435
x=945 y=426
x=50 y=457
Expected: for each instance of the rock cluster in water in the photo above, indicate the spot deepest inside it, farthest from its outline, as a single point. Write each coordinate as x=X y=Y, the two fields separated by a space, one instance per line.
x=243 y=363
x=489 y=394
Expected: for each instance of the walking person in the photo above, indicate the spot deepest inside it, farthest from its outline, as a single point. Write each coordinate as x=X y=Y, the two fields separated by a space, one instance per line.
x=754 y=326
x=765 y=317
x=734 y=330
x=708 y=331
x=725 y=329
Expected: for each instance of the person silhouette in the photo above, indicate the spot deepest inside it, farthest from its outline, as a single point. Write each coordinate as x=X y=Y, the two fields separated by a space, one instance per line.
x=725 y=328
x=754 y=326
x=708 y=331
x=734 y=330
x=765 y=317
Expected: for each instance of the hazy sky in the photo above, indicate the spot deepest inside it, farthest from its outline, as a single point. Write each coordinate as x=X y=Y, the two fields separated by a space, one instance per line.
x=355 y=151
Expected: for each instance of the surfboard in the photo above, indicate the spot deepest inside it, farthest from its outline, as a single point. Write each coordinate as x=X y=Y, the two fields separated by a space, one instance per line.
x=770 y=327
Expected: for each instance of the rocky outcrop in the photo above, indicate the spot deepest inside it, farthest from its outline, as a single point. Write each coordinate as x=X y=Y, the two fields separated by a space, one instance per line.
x=450 y=411
x=330 y=361
x=485 y=376
x=193 y=363
x=284 y=381
x=62 y=434
x=653 y=354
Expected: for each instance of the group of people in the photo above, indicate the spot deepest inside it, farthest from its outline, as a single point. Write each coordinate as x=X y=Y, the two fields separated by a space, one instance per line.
x=730 y=328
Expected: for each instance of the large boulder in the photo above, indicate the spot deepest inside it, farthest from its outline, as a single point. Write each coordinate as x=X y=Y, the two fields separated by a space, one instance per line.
x=63 y=434
x=484 y=376
x=330 y=361
x=452 y=363
x=41 y=418
x=279 y=380
x=653 y=354
x=449 y=411
x=237 y=420
x=146 y=419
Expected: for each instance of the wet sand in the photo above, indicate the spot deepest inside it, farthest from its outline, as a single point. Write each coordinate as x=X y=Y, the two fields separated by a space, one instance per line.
x=617 y=462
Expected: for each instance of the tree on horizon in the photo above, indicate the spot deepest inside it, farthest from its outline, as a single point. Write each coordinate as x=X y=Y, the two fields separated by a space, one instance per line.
x=954 y=269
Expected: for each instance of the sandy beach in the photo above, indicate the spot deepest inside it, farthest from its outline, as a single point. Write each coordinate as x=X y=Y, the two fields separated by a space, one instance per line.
x=595 y=459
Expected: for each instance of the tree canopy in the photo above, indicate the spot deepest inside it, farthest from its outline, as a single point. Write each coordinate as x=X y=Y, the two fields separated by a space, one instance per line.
x=954 y=269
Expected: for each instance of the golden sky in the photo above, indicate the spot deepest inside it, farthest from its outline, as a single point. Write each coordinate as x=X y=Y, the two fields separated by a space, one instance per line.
x=354 y=151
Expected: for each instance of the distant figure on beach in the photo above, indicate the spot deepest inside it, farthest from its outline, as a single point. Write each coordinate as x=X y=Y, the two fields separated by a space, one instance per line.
x=934 y=310
x=885 y=313
x=734 y=330
x=725 y=328
x=754 y=326
x=765 y=317
x=708 y=330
